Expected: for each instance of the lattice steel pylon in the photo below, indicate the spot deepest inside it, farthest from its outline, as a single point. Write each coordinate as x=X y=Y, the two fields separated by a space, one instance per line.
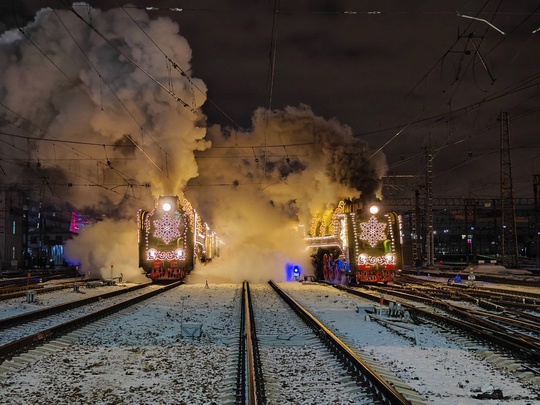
x=429 y=210
x=536 y=190
x=509 y=246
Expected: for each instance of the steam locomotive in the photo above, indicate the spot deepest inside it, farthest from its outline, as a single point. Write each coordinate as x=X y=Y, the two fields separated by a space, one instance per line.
x=172 y=238
x=356 y=241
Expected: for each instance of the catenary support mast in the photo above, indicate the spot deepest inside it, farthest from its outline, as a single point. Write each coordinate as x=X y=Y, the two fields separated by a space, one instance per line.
x=509 y=246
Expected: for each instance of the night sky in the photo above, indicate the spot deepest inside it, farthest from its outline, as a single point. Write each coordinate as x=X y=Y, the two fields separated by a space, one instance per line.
x=414 y=77
x=406 y=77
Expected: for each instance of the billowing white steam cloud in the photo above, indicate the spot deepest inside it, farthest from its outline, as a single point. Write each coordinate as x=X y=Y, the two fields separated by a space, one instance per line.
x=76 y=104
x=268 y=181
x=98 y=120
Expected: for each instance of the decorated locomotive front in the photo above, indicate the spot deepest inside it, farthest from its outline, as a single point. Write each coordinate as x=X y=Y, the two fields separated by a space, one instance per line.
x=355 y=242
x=375 y=245
x=166 y=240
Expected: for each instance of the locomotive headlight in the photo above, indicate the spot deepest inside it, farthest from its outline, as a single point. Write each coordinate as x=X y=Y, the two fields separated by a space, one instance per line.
x=152 y=254
x=374 y=210
x=389 y=257
x=179 y=254
x=166 y=207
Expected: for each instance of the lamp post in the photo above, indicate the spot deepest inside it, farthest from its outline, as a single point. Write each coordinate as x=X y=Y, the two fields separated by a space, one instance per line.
x=112 y=265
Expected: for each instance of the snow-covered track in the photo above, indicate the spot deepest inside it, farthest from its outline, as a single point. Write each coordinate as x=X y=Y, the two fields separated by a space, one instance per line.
x=483 y=326
x=288 y=346
x=36 y=335
x=45 y=312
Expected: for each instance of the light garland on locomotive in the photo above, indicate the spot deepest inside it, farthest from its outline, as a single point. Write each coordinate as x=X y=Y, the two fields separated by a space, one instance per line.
x=172 y=239
x=356 y=239
x=374 y=233
x=166 y=229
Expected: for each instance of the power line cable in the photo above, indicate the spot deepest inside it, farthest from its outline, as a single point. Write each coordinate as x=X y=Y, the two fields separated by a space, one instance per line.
x=271 y=76
x=65 y=141
x=113 y=92
x=175 y=65
x=95 y=69
x=129 y=59
x=21 y=30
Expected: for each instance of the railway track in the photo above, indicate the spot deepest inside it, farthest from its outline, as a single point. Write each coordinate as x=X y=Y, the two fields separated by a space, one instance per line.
x=191 y=345
x=26 y=331
x=287 y=352
x=528 y=280
x=17 y=291
x=44 y=313
x=511 y=334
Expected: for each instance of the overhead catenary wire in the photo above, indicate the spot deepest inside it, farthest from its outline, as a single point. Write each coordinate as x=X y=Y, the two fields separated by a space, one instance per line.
x=481 y=60
x=41 y=131
x=174 y=64
x=21 y=30
x=452 y=111
x=101 y=79
x=101 y=82
x=128 y=58
x=532 y=81
x=113 y=92
x=421 y=121
x=56 y=141
x=271 y=76
x=68 y=141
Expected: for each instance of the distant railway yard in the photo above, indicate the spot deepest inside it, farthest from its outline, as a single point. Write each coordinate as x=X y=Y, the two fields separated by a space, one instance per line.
x=416 y=340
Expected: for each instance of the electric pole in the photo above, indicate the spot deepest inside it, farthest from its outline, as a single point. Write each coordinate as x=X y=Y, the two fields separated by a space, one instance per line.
x=509 y=246
x=429 y=210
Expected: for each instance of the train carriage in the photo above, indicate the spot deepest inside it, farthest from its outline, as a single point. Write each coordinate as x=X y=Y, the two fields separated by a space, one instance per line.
x=357 y=241
x=172 y=238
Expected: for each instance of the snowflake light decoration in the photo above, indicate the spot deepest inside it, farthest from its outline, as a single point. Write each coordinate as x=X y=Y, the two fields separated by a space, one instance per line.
x=167 y=228
x=373 y=231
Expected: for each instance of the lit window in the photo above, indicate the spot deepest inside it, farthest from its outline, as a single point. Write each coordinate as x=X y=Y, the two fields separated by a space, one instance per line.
x=14 y=228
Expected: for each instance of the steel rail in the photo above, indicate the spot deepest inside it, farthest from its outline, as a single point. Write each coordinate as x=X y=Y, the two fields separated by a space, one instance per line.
x=383 y=390
x=489 y=331
x=12 y=349
x=240 y=394
x=39 y=289
x=252 y=385
x=42 y=313
x=257 y=391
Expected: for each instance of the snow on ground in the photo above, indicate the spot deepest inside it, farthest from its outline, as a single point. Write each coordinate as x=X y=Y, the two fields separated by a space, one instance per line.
x=18 y=306
x=443 y=371
x=139 y=357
